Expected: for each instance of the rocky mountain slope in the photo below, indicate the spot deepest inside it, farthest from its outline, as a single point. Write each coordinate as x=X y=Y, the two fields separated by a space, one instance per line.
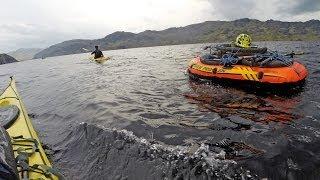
x=210 y=31
x=4 y=59
x=24 y=53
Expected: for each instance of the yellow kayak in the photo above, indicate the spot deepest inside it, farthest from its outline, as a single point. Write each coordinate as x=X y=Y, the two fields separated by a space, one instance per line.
x=100 y=60
x=25 y=141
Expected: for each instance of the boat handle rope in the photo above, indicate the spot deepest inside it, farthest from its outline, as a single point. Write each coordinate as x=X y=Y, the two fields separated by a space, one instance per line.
x=229 y=59
x=23 y=159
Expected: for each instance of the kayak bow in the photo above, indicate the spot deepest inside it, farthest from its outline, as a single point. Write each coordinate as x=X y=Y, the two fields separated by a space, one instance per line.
x=25 y=141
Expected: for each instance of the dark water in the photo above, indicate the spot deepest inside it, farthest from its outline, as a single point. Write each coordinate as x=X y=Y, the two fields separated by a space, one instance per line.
x=174 y=120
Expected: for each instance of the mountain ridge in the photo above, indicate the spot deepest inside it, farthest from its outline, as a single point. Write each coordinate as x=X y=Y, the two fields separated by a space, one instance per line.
x=5 y=59
x=205 y=32
x=23 y=54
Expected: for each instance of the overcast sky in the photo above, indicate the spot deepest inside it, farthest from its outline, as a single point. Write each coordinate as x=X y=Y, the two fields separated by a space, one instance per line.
x=40 y=23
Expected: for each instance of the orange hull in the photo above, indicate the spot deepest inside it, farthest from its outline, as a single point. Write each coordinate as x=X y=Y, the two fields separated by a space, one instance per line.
x=275 y=75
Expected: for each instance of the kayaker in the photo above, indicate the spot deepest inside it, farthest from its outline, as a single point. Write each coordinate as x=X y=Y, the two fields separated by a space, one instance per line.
x=97 y=53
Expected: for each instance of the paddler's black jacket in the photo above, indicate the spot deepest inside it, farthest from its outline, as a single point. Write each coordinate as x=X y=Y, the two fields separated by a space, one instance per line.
x=97 y=53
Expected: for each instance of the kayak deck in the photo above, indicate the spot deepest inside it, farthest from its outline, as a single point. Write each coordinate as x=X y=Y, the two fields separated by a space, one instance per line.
x=100 y=60
x=22 y=127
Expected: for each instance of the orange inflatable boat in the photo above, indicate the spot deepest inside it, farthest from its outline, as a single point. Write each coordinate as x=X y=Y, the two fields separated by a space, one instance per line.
x=291 y=74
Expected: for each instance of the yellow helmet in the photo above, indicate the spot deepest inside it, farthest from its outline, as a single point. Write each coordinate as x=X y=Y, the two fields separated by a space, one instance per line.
x=243 y=40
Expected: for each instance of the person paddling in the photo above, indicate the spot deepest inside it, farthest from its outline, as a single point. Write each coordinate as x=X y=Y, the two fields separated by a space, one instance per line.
x=97 y=53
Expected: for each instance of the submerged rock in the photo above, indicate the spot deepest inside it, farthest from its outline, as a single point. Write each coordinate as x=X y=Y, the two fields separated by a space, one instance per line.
x=222 y=124
x=91 y=152
x=241 y=105
x=241 y=121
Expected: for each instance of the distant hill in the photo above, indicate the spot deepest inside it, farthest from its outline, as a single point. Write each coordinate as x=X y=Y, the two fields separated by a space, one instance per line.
x=210 y=31
x=24 y=53
x=5 y=59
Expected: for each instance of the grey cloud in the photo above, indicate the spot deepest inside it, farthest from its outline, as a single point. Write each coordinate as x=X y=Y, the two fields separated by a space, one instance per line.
x=230 y=9
x=34 y=24
x=19 y=35
x=274 y=9
x=305 y=6
x=28 y=36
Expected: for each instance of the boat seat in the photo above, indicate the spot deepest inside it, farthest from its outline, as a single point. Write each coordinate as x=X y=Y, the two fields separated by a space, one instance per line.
x=8 y=114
